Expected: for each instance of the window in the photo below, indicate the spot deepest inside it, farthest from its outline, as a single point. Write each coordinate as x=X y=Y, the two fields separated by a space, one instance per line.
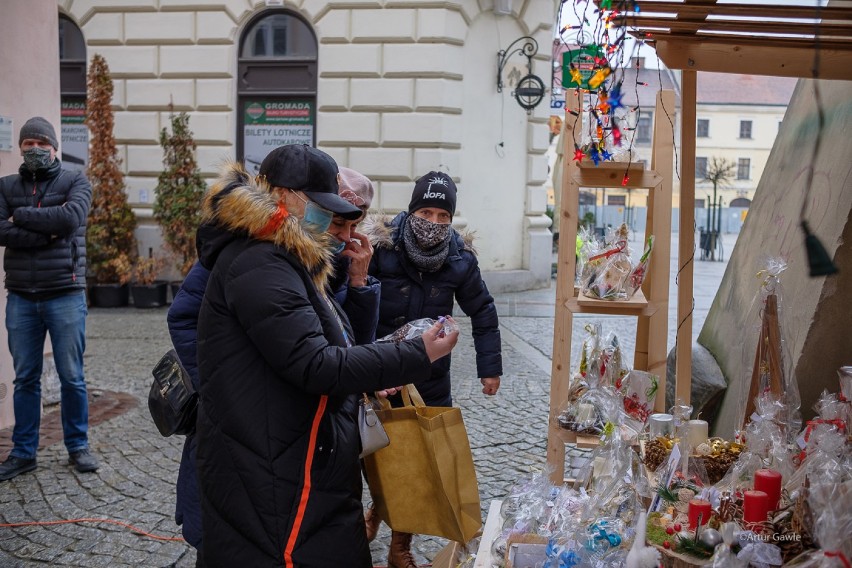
x=643 y=127
x=699 y=203
x=744 y=168
x=703 y=128
x=745 y=129
x=700 y=168
x=279 y=35
x=616 y=199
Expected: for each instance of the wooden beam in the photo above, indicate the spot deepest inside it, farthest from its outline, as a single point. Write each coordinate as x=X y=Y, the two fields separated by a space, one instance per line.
x=837 y=10
x=652 y=332
x=566 y=265
x=614 y=177
x=804 y=30
x=723 y=56
x=686 y=246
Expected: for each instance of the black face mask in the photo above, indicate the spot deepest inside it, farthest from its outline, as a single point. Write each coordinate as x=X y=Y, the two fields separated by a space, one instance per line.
x=37 y=159
x=427 y=233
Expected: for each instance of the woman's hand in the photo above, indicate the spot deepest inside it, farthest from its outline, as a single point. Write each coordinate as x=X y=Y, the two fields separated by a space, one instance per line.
x=359 y=251
x=438 y=342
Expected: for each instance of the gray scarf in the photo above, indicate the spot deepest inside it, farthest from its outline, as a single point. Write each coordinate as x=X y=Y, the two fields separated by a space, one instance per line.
x=418 y=234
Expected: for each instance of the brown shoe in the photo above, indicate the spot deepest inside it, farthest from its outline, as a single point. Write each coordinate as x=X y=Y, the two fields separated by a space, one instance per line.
x=399 y=555
x=373 y=522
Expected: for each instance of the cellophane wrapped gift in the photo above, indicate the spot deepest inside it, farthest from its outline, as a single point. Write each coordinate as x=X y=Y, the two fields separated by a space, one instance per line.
x=608 y=272
x=416 y=328
x=638 y=389
x=769 y=284
x=831 y=504
x=637 y=274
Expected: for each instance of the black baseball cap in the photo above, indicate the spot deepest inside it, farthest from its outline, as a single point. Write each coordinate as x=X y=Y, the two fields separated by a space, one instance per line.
x=312 y=171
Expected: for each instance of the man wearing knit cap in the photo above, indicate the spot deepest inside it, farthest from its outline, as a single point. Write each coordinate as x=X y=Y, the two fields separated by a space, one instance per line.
x=424 y=264
x=43 y=212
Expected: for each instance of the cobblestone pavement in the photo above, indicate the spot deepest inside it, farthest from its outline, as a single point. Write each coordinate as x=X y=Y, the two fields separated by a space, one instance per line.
x=135 y=484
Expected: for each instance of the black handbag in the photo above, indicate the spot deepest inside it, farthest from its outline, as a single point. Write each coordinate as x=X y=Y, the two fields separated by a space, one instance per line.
x=172 y=399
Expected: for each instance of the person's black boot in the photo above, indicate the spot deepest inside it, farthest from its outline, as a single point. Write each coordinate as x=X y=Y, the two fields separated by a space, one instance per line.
x=83 y=460
x=14 y=466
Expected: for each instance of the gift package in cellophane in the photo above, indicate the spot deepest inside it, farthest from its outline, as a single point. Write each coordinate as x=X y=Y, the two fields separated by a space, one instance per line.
x=608 y=272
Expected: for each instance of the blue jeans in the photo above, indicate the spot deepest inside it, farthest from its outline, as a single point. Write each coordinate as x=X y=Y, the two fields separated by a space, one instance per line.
x=27 y=323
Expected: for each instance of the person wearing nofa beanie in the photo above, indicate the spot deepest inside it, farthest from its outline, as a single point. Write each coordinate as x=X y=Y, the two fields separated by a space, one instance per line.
x=423 y=265
x=43 y=212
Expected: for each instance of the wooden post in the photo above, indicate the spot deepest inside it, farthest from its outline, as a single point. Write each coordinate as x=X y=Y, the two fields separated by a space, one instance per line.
x=686 y=248
x=566 y=264
x=652 y=331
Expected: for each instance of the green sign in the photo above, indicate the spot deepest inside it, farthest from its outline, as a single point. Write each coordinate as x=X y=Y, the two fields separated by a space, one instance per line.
x=583 y=62
x=270 y=123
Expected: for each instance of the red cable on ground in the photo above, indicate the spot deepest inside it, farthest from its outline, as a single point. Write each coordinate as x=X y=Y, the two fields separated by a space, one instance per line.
x=136 y=530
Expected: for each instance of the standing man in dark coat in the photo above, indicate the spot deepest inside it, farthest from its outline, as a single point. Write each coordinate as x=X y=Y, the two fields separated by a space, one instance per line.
x=424 y=264
x=277 y=436
x=43 y=212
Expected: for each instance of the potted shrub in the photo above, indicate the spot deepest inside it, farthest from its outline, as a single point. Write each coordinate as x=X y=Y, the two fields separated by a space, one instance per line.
x=180 y=188
x=146 y=290
x=110 y=242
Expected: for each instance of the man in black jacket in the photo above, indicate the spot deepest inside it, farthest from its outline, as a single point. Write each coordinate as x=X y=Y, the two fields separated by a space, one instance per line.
x=43 y=211
x=425 y=265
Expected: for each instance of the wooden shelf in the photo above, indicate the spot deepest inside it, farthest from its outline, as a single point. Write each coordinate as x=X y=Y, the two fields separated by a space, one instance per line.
x=638 y=305
x=649 y=305
x=611 y=175
x=584 y=441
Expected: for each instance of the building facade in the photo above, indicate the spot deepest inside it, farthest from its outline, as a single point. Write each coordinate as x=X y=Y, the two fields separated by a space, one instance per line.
x=738 y=119
x=393 y=89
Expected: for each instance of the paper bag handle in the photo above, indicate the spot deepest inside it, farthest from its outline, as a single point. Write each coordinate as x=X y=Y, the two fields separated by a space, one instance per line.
x=410 y=397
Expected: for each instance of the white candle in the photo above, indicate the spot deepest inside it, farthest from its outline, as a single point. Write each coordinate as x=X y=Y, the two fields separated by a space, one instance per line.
x=698 y=432
x=661 y=425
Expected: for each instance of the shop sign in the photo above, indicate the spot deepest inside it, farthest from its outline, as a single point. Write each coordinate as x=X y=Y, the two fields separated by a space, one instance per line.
x=74 y=134
x=583 y=60
x=272 y=123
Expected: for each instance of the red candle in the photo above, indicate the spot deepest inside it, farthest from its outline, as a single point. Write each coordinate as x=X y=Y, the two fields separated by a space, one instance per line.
x=755 y=506
x=769 y=481
x=698 y=507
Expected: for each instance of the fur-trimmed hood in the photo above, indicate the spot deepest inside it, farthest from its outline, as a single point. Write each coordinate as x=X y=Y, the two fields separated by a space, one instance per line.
x=384 y=232
x=243 y=206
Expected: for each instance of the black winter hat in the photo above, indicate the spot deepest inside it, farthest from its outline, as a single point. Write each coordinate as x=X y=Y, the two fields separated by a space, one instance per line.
x=435 y=189
x=38 y=128
x=304 y=168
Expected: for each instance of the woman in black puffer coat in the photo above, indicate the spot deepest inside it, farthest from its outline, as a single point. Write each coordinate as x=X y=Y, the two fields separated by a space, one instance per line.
x=277 y=437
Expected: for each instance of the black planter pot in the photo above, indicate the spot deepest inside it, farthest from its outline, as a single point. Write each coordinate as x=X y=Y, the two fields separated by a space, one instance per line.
x=109 y=295
x=149 y=295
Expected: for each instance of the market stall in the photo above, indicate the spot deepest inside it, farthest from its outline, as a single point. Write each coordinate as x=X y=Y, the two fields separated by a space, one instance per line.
x=657 y=489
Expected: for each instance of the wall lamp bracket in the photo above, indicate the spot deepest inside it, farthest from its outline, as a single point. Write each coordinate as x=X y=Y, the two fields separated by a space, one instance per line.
x=530 y=88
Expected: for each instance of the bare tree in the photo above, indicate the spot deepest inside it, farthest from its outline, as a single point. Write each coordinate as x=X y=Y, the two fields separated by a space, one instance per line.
x=719 y=173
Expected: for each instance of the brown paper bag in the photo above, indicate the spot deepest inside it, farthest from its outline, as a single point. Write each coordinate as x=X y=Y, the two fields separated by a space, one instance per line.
x=424 y=481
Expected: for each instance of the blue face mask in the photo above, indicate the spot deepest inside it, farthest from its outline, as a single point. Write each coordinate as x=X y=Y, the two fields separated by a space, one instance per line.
x=316 y=217
x=337 y=246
